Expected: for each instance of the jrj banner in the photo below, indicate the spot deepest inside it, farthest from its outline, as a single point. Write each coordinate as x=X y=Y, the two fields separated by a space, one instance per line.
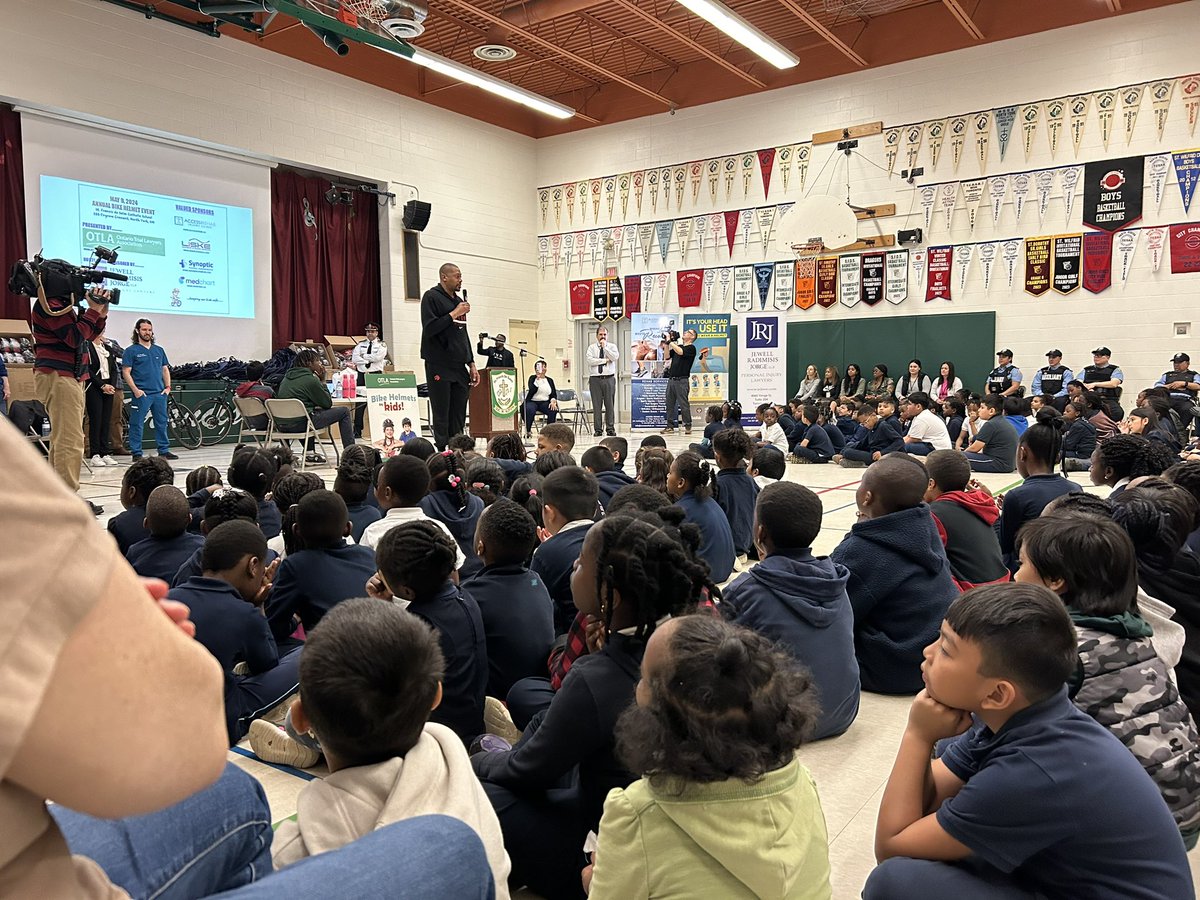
x=1112 y=192
x=391 y=404
x=711 y=372
x=762 y=360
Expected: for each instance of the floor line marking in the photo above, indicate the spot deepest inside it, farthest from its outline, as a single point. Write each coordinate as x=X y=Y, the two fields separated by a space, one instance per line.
x=287 y=770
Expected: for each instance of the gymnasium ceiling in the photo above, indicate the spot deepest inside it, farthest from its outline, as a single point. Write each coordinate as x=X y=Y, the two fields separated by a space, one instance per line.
x=614 y=60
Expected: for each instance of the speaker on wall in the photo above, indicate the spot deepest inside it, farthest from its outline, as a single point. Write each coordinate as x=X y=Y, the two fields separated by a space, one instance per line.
x=416 y=215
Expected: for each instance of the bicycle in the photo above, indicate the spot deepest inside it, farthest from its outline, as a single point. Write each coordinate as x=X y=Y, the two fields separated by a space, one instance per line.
x=217 y=415
x=182 y=427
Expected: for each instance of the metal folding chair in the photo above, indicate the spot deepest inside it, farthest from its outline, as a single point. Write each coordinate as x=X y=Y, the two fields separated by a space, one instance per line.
x=292 y=409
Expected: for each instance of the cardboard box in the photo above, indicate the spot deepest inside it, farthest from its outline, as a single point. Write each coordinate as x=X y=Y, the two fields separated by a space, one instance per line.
x=322 y=349
x=20 y=374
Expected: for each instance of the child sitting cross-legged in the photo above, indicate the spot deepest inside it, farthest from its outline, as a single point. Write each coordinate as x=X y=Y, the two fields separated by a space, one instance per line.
x=253 y=470
x=735 y=490
x=769 y=432
x=450 y=503
x=1031 y=798
x=876 y=440
x=811 y=443
x=402 y=482
x=355 y=482
x=370 y=677
x=138 y=482
x=170 y=544
x=799 y=601
x=609 y=479
x=965 y=515
x=508 y=450
x=723 y=807
x=691 y=482
x=714 y=421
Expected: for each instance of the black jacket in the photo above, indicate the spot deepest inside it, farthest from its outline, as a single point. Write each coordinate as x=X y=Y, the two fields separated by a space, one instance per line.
x=114 y=364
x=531 y=387
x=444 y=341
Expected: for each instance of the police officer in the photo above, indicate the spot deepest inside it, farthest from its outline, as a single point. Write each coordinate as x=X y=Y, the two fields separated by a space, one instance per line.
x=1105 y=379
x=1051 y=380
x=368 y=357
x=497 y=356
x=1183 y=385
x=1006 y=378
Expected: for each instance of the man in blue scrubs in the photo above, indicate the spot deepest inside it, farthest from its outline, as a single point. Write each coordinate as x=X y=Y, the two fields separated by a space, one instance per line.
x=146 y=370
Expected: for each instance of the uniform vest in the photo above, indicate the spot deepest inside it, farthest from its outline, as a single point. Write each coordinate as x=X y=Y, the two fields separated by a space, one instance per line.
x=1188 y=376
x=1052 y=379
x=1000 y=380
x=1101 y=373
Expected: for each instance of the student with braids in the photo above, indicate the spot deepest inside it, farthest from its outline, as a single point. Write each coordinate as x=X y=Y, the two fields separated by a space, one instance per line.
x=1124 y=457
x=288 y=492
x=450 y=503
x=631 y=575
x=1187 y=476
x=354 y=482
x=1079 y=441
x=652 y=465
x=253 y=471
x=724 y=802
x=416 y=560
x=691 y=483
x=508 y=450
x=735 y=489
x=526 y=491
x=200 y=484
x=138 y=482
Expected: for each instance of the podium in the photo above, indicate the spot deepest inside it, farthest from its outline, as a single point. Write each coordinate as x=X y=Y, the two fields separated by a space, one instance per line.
x=494 y=403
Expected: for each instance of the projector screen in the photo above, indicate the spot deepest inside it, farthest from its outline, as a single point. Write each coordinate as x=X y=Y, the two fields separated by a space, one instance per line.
x=180 y=255
x=88 y=185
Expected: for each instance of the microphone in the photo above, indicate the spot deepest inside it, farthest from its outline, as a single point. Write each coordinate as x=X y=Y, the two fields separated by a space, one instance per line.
x=462 y=323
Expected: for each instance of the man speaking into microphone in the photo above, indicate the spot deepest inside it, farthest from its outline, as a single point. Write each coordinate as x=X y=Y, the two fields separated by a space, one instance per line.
x=449 y=364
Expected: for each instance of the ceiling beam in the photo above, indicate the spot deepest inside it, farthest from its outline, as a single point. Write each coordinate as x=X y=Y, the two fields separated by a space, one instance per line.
x=1114 y=6
x=550 y=47
x=812 y=22
x=968 y=23
x=631 y=40
x=662 y=26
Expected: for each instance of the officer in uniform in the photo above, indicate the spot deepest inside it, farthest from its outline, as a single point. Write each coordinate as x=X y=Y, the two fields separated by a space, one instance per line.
x=1105 y=379
x=1183 y=384
x=497 y=356
x=368 y=357
x=1006 y=378
x=1051 y=380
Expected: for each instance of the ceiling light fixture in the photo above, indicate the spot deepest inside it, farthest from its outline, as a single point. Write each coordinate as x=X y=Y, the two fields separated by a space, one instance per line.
x=483 y=81
x=743 y=32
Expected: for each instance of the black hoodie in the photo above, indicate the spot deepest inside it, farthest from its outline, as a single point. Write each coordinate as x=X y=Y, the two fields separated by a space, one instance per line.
x=1180 y=587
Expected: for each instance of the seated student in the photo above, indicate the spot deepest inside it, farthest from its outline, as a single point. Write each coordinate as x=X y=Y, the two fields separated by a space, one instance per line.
x=735 y=490
x=767 y=467
x=619 y=447
x=1036 y=402
x=900 y=583
x=1097 y=414
x=970 y=426
x=847 y=417
x=138 y=482
x=287 y=492
x=770 y=433
x=887 y=411
x=1011 y=809
x=1187 y=476
x=225 y=604
x=569 y=496
x=551 y=460
x=926 y=431
x=836 y=438
x=253 y=471
x=1124 y=457
x=1144 y=421
x=723 y=800
x=508 y=450
x=549 y=789
x=323 y=572
x=556 y=436
x=609 y=479
x=1015 y=415
x=954 y=414
x=419 y=447
x=371 y=675
x=170 y=544
x=354 y=482
x=713 y=422
x=965 y=518
x=1079 y=442
x=691 y=483
x=994 y=447
x=526 y=492
x=878 y=439
x=224 y=505
x=416 y=560
x=463 y=443
x=1121 y=681
x=732 y=417
x=201 y=483
x=517 y=613
x=255 y=387
x=799 y=601
x=1038 y=452
x=402 y=483
x=450 y=503
x=485 y=479
x=652 y=465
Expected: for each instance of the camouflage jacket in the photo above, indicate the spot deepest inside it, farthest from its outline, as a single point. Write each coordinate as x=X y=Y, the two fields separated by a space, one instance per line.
x=1128 y=690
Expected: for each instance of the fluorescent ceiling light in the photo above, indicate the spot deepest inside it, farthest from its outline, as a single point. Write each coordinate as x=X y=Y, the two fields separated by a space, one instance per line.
x=742 y=31
x=482 y=80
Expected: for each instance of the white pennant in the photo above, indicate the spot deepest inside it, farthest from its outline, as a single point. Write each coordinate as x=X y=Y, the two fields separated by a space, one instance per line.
x=919 y=258
x=1125 y=244
x=710 y=278
x=1156 y=241
x=997 y=194
x=1044 y=181
x=1157 y=169
x=987 y=257
x=972 y=194
x=766 y=221
x=1070 y=182
x=1022 y=183
x=948 y=197
x=700 y=228
x=928 y=195
x=683 y=228
x=1011 y=251
x=747 y=219
x=963 y=254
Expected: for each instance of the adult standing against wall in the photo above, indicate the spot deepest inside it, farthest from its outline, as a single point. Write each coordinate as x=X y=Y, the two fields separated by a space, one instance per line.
x=679 y=381
x=449 y=365
x=602 y=356
x=368 y=357
x=147 y=371
x=1105 y=379
x=1183 y=385
x=1051 y=380
x=1006 y=378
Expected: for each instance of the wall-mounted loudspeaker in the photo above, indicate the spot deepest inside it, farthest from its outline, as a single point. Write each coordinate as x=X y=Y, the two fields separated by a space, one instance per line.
x=416 y=215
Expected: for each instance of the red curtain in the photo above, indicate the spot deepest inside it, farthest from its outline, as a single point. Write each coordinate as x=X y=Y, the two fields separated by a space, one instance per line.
x=12 y=211
x=324 y=258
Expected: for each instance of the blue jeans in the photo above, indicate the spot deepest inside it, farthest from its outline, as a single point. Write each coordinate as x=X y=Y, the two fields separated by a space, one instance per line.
x=220 y=840
x=533 y=407
x=156 y=405
x=931 y=880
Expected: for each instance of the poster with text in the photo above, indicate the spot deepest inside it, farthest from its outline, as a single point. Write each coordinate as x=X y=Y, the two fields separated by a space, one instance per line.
x=648 y=362
x=393 y=413
x=762 y=363
x=710 y=374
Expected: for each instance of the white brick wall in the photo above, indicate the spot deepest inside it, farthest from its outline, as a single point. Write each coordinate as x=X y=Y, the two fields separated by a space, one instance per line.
x=1136 y=322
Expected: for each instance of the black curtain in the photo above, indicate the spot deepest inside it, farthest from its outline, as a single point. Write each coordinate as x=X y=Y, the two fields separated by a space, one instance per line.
x=12 y=211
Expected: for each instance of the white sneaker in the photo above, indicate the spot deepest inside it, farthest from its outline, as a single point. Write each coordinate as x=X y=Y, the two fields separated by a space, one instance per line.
x=271 y=743
x=97 y=463
x=109 y=461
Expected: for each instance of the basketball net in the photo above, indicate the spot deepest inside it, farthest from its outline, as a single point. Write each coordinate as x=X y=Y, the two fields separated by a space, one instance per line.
x=808 y=248
x=374 y=10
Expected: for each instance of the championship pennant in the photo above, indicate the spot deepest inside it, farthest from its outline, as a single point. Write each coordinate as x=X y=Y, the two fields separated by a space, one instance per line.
x=1097 y=261
x=964 y=254
x=666 y=174
x=1010 y=250
x=1068 y=253
x=1189 y=88
x=785 y=284
x=850 y=279
x=743 y=288
x=928 y=197
x=689 y=285
x=596 y=189
x=570 y=191
x=806 y=282
x=948 y=197
x=746 y=219
x=1031 y=115
x=556 y=194
x=983 y=137
x=623 y=185
x=581 y=297
x=729 y=167
x=1021 y=185
x=827 y=281
x=936 y=130
x=1185 y=249
x=958 y=139
x=713 y=168
x=581 y=192
x=1056 y=117
x=1070 y=185
x=997 y=190
x=1156 y=242
x=731 y=224
x=896 y=276
x=1078 y=107
x=544 y=203
x=940 y=262
x=616 y=299
x=1187 y=173
x=891 y=148
x=766 y=162
x=1006 y=118
x=987 y=259
x=568 y=250
x=664 y=230
x=872 y=278
x=543 y=253
x=766 y=221
x=633 y=294
x=710 y=279
x=679 y=174
x=912 y=144
x=555 y=251
x=645 y=232
x=639 y=180
x=747 y=173
x=764 y=274
x=1037 y=266
x=1112 y=193
x=1157 y=169
x=919 y=260
x=972 y=192
x=784 y=155
x=610 y=194
x=1106 y=108
x=1043 y=184
x=803 y=154
x=1125 y=245
x=683 y=228
x=696 y=170
x=1131 y=102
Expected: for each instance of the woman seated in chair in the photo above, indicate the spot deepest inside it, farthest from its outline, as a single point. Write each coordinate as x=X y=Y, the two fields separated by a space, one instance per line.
x=541 y=397
x=305 y=382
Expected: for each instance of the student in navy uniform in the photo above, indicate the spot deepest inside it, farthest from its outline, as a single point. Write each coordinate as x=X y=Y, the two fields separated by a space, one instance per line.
x=1079 y=442
x=846 y=417
x=619 y=448
x=811 y=441
x=733 y=416
x=609 y=479
x=713 y=422
x=225 y=603
x=887 y=411
x=1051 y=380
x=201 y=483
x=170 y=544
x=881 y=439
x=800 y=601
x=323 y=572
x=508 y=450
x=995 y=446
x=449 y=502
x=691 y=483
x=416 y=560
x=1183 y=386
x=785 y=419
x=253 y=471
x=735 y=490
x=138 y=482
x=569 y=496
x=1105 y=379
x=1006 y=378
x=966 y=518
x=1032 y=797
x=517 y=613
x=354 y=482
x=836 y=438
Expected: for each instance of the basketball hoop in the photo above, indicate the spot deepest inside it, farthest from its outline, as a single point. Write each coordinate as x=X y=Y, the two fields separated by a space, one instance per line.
x=808 y=248
x=372 y=10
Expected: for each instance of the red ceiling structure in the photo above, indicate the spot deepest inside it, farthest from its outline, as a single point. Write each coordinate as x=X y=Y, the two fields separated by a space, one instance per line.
x=614 y=60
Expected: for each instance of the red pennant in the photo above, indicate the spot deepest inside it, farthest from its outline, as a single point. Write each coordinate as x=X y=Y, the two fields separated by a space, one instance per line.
x=938 y=268
x=689 y=283
x=633 y=294
x=731 y=224
x=827 y=281
x=766 y=161
x=1185 y=248
x=581 y=297
x=1097 y=261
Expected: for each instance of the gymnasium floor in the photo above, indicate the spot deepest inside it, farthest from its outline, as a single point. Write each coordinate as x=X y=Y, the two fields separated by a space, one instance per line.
x=850 y=770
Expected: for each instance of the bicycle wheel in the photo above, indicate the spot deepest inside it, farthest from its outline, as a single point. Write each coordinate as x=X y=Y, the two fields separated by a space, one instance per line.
x=215 y=417
x=182 y=426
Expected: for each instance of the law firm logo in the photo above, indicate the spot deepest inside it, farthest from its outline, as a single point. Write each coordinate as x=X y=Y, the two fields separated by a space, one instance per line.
x=762 y=333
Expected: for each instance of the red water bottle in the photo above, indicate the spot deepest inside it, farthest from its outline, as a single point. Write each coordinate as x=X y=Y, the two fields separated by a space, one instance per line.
x=349 y=386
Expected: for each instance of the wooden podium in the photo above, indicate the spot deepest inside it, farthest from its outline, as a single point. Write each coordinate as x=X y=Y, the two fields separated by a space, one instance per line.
x=482 y=420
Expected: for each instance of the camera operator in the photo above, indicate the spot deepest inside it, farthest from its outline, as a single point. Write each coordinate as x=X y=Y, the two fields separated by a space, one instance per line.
x=60 y=369
x=679 y=382
x=497 y=357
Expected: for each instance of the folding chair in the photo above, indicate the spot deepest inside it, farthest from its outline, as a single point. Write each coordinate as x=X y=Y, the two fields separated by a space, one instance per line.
x=249 y=407
x=44 y=442
x=569 y=409
x=291 y=409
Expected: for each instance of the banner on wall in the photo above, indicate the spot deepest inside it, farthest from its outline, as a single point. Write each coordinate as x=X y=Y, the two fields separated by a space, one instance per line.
x=633 y=294
x=689 y=285
x=1112 y=192
x=806 y=282
x=581 y=297
x=1187 y=173
x=762 y=362
x=647 y=367
x=1068 y=250
x=616 y=298
x=1097 y=261
x=1037 y=266
x=827 y=281
x=872 y=278
x=896 y=285
x=391 y=398
x=710 y=374
x=1185 y=248
x=600 y=299
x=938 y=286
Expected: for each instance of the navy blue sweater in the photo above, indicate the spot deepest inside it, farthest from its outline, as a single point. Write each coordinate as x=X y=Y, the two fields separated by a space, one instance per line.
x=362 y=515
x=1080 y=440
x=269 y=518
x=513 y=468
x=736 y=495
x=1024 y=502
x=900 y=588
x=610 y=482
x=518 y=622
x=553 y=561
x=128 y=528
x=464 y=650
x=800 y=602
x=883 y=438
x=817 y=437
x=309 y=583
x=191 y=567
x=716 y=538
x=444 y=506
x=161 y=557
x=836 y=438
